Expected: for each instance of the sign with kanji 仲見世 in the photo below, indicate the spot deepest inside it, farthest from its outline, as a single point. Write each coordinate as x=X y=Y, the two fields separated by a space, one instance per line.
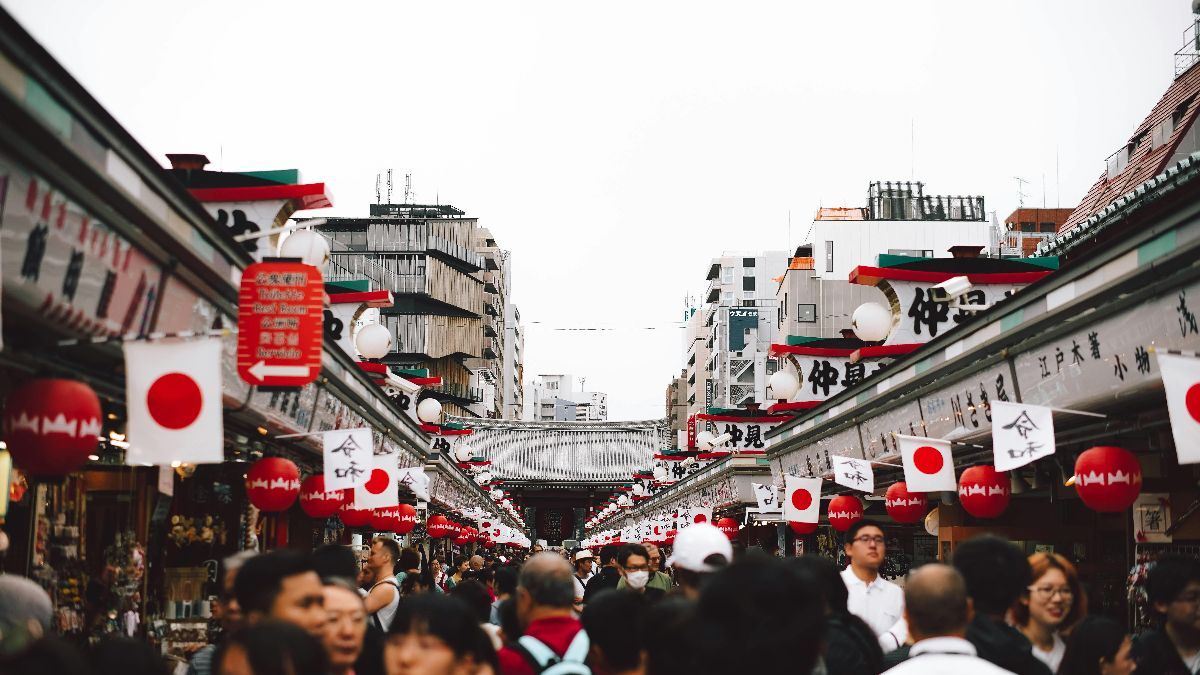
x=280 y=320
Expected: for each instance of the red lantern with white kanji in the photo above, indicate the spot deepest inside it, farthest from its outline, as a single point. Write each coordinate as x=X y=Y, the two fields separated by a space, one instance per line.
x=487 y=542
x=802 y=528
x=352 y=517
x=438 y=526
x=729 y=527
x=385 y=519
x=408 y=519
x=51 y=426
x=844 y=511
x=669 y=536
x=272 y=484
x=904 y=506
x=316 y=502
x=1108 y=478
x=465 y=536
x=983 y=491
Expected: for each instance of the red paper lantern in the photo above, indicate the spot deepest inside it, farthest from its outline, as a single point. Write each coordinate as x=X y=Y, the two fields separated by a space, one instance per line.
x=316 y=502
x=408 y=519
x=465 y=536
x=51 y=426
x=983 y=491
x=385 y=519
x=437 y=526
x=1108 y=478
x=488 y=543
x=352 y=517
x=904 y=506
x=729 y=526
x=272 y=484
x=844 y=511
x=669 y=536
x=802 y=528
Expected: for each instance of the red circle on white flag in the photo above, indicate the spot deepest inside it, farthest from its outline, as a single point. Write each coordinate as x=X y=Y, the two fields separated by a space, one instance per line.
x=927 y=459
x=802 y=499
x=174 y=400
x=1192 y=401
x=378 y=482
x=700 y=518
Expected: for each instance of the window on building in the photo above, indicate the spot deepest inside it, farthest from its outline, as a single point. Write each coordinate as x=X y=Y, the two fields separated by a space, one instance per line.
x=727 y=275
x=747 y=303
x=747 y=262
x=747 y=283
x=911 y=252
x=806 y=313
x=748 y=295
x=1028 y=227
x=1047 y=227
x=727 y=298
x=829 y=256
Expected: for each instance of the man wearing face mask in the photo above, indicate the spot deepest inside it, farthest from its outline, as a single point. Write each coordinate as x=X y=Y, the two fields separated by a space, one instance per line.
x=633 y=561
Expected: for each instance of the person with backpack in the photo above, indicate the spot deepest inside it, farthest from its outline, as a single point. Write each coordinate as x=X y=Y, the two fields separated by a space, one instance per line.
x=554 y=642
x=384 y=596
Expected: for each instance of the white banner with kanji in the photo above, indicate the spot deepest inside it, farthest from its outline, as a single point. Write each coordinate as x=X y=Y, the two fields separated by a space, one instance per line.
x=1021 y=434
x=348 y=457
x=853 y=473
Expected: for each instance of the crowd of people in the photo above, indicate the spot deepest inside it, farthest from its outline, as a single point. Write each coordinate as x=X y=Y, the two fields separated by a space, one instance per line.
x=705 y=609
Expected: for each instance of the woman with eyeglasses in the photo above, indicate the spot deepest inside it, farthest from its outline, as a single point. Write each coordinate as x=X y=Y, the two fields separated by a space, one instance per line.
x=1052 y=604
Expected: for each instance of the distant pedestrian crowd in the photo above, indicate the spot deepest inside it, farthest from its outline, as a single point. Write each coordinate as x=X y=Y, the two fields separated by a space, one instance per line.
x=705 y=609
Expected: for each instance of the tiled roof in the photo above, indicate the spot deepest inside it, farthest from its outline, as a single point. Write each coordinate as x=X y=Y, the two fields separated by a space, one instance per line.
x=601 y=452
x=1145 y=162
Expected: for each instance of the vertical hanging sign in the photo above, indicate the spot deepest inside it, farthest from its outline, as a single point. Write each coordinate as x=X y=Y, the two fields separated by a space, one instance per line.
x=280 y=317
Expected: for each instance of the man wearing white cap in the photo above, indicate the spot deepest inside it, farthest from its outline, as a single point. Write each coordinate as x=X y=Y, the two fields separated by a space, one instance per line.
x=583 y=571
x=699 y=550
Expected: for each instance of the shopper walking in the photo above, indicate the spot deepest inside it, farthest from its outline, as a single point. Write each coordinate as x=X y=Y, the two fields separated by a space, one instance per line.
x=583 y=572
x=1173 y=645
x=384 y=595
x=345 y=626
x=281 y=585
x=937 y=611
x=851 y=647
x=1052 y=604
x=700 y=550
x=544 y=598
x=1098 y=646
x=875 y=600
x=608 y=577
x=226 y=611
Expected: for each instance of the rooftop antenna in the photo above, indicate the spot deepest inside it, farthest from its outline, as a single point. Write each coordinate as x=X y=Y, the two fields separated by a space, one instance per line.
x=378 y=197
x=1021 y=183
x=389 y=186
x=408 y=193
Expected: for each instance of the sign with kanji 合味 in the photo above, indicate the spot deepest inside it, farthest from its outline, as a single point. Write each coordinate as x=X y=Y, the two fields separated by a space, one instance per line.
x=280 y=323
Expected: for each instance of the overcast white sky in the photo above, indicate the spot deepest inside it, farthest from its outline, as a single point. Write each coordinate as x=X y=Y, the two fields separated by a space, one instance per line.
x=614 y=148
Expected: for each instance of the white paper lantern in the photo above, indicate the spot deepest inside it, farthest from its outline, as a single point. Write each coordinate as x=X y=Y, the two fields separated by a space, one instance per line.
x=871 y=322
x=783 y=385
x=429 y=410
x=623 y=500
x=307 y=245
x=496 y=493
x=464 y=453
x=373 y=341
x=704 y=440
x=932 y=522
x=638 y=490
x=485 y=476
x=660 y=473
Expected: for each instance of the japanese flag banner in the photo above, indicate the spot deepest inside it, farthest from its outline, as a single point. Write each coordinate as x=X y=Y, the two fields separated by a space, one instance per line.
x=854 y=473
x=802 y=499
x=1021 y=434
x=767 y=496
x=1181 y=377
x=348 y=458
x=382 y=488
x=173 y=398
x=702 y=514
x=928 y=464
x=690 y=515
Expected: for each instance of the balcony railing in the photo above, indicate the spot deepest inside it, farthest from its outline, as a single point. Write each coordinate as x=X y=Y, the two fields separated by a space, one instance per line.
x=462 y=392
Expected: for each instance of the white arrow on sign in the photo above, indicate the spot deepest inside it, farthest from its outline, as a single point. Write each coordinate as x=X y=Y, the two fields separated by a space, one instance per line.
x=262 y=371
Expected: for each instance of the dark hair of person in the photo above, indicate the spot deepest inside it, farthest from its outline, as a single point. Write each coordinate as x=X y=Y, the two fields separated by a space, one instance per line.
x=1169 y=576
x=614 y=622
x=391 y=546
x=758 y=604
x=335 y=560
x=485 y=576
x=275 y=648
x=855 y=528
x=510 y=625
x=449 y=620
x=506 y=580
x=48 y=654
x=608 y=553
x=474 y=595
x=996 y=572
x=1094 y=638
x=461 y=560
x=667 y=626
x=628 y=550
x=260 y=579
x=825 y=575
x=408 y=559
x=119 y=655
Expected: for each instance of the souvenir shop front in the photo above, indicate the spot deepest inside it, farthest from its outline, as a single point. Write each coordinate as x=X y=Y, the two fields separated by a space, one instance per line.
x=1113 y=481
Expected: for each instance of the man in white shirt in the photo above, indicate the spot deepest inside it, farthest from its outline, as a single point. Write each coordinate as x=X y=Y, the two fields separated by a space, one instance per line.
x=938 y=610
x=875 y=600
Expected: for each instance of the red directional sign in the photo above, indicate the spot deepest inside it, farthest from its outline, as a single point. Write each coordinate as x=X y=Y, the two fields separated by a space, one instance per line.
x=280 y=323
